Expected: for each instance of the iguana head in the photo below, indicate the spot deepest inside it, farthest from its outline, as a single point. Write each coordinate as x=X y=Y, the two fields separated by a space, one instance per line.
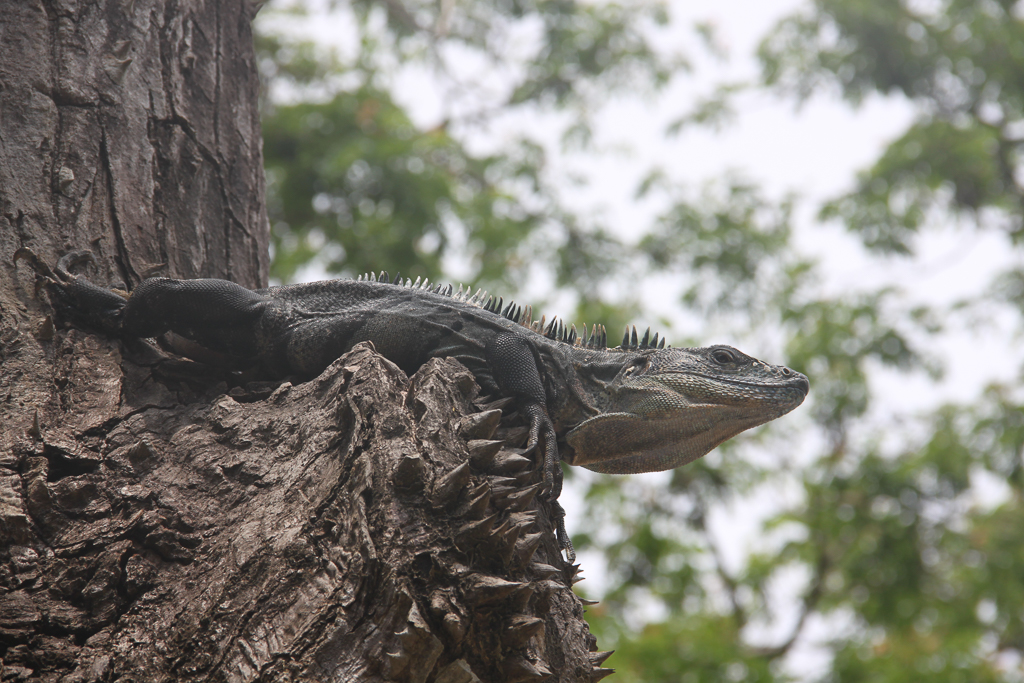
x=668 y=407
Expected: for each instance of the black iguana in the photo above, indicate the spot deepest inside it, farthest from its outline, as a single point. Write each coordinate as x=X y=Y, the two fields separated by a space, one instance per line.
x=640 y=407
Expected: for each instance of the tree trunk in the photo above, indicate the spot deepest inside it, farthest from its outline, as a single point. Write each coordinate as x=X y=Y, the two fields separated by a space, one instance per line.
x=161 y=520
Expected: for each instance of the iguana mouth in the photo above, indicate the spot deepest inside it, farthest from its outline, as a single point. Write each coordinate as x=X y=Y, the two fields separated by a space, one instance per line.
x=799 y=382
x=683 y=390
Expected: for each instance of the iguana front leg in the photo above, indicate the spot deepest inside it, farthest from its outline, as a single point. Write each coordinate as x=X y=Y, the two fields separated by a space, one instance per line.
x=516 y=368
x=542 y=434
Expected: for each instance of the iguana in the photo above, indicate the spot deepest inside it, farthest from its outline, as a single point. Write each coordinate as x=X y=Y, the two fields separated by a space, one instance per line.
x=639 y=407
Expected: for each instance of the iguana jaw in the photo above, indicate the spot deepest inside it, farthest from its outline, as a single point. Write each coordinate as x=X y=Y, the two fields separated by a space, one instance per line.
x=661 y=421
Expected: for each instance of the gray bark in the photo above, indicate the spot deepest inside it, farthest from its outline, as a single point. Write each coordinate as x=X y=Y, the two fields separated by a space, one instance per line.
x=161 y=520
x=130 y=127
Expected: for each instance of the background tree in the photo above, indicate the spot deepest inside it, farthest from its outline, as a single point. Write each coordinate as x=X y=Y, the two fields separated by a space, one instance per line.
x=893 y=544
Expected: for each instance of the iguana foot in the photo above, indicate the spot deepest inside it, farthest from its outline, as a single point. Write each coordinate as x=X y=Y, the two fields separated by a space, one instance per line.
x=74 y=298
x=542 y=437
x=542 y=434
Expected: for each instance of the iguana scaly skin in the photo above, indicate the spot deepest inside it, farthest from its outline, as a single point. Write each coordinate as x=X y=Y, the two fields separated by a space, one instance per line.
x=639 y=407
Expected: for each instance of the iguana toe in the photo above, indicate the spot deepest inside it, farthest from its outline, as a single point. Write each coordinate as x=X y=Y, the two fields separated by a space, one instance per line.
x=34 y=262
x=70 y=260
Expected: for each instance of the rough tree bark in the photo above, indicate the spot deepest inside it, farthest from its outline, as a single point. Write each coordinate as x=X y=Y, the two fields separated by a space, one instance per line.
x=161 y=520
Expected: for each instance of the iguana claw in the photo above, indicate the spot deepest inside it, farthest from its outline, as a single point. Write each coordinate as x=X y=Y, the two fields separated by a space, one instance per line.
x=37 y=264
x=71 y=259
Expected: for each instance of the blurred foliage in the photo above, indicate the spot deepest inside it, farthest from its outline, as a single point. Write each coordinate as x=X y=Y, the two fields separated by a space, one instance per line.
x=731 y=241
x=353 y=185
x=960 y=62
x=892 y=548
x=353 y=173
x=904 y=534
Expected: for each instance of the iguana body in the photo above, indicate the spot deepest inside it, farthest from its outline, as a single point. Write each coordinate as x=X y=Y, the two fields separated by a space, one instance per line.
x=636 y=408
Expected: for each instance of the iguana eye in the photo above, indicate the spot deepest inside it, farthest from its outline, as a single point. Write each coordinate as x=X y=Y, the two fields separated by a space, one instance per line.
x=639 y=365
x=722 y=356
